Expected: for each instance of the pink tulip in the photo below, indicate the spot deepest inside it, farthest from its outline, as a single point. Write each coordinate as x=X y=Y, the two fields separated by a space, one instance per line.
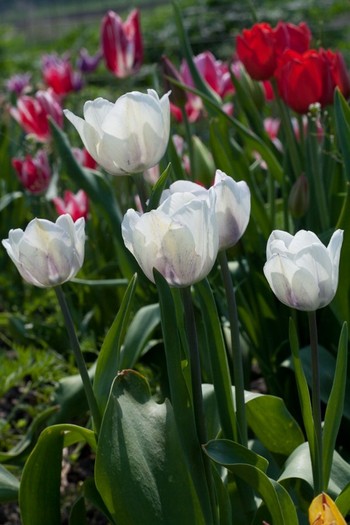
x=122 y=43
x=76 y=205
x=34 y=172
x=32 y=113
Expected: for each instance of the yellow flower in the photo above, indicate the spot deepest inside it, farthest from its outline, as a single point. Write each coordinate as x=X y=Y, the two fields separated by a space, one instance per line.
x=323 y=511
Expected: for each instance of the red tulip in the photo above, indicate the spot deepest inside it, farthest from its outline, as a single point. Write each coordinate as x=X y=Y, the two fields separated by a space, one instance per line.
x=304 y=79
x=122 y=43
x=255 y=48
x=59 y=75
x=32 y=113
x=76 y=205
x=290 y=36
x=34 y=172
x=258 y=48
x=338 y=71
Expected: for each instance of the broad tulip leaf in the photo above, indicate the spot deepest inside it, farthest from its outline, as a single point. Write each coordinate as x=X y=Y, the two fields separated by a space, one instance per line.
x=39 y=495
x=343 y=500
x=141 y=471
x=9 y=486
x=335 y=405
x=108 y=362
x=275 y=497
x=298 y=467
x=140 y=329
x=267 y=416
x=272 y=423
x=227 y=453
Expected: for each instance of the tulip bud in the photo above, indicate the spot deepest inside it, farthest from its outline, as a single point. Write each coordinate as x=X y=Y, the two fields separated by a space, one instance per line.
x=301 y=271
x=48 y=253
x=128 y=136
x=203 y=164
x=178 y=96
x=323 y=511
x=299 y=197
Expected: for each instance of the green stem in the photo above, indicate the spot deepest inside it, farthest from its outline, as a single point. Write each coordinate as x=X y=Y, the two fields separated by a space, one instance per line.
x=290 y=135
x=196 y=375
x=238 y=374
x=196 y=379
x=316 y=175
x=316 y=403
x=79 y=359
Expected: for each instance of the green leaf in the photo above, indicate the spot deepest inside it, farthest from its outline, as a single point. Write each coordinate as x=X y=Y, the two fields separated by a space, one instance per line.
x=93 y=496
x=303 y=391
x=341 y=302
x=298 y=467
x=335 y=405
x=139 y=331
x=343 y=500
x=275 y=497
x=108 y=362
x=181 y=399
x=77 y=515
x=226 y=452
x=9 y=486
x=342 y=127
x=158 y=189
x=141 y=472
x=272 y=423
x=218 y=358
x=39 y=495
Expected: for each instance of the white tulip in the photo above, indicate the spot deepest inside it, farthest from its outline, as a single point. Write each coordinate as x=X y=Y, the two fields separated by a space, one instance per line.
x=232 y=205
x=301 y=270
x=129 y=136
x=179 y=238
x=48 y=253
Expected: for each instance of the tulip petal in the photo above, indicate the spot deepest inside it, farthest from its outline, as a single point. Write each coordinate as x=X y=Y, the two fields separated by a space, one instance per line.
x=293 y=286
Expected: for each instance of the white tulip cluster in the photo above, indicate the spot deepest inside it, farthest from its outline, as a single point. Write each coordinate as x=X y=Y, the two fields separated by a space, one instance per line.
x=182 y=237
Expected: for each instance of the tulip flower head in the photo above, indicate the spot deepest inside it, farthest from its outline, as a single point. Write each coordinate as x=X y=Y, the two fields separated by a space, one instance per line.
x=129 y=136
x=34 y=172
x=77 y=205
x=323 y=511
x=301 y=271
x=232 y=205
x=121 y=43
x=18 y=84
x=59 y=75
x=32 y=113
x=48 y=253
x=179 y=238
